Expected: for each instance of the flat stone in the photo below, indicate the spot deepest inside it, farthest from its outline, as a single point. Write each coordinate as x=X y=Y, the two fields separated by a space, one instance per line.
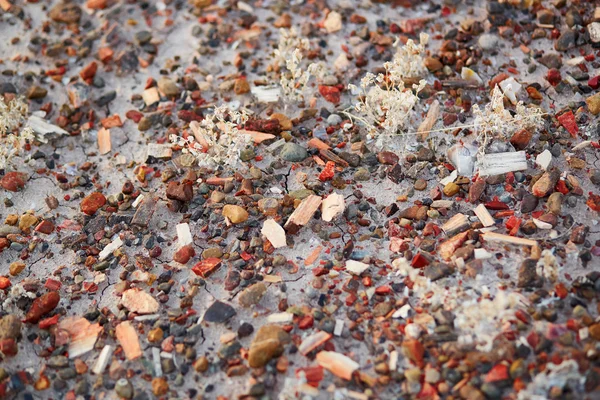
x=267 y=344
x=251 y=295
x=293 y=152
x=219 y=312
x=92 y=203
x=235 y=214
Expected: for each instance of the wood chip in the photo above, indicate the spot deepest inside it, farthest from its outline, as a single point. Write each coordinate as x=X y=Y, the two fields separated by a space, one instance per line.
x=303 y=213
x=128 y=339
x=82 y=335
x=333 y=205
x=338 y=364
x=499 y=237
x=110 y=248
x=484 y=215
x=313 y=341
x=447 y=248
x=160 y=151
x=356 y=267
x=502 y=163
x=459 y=222
x=104 y=145
x=274 y=233
x=184 y=235
x=151 y=96
x=432 y=116
x=103 y=359
x=138 y=301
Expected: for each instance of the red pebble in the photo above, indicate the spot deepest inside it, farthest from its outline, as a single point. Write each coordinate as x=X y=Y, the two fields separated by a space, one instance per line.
x=553 y=76
x=42 y=306
x=330 y=93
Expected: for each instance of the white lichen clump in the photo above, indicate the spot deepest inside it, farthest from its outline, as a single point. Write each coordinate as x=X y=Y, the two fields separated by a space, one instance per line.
x=384 y=100
x=495 y=121
x=216 y=140
x=288 y=56
x=14 y=133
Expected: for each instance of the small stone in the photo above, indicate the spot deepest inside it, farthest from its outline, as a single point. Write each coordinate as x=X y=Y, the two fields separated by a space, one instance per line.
x=594 y=31
x=180 y=191
x=201 y=364
x=521 y=139
x=565 y=41
x=267 y=344
x=528 y=203
x=13 y=181
x=551 y=60
x=235 y=214
x=92 y=203
x=36 y=92
x=251 y=295
x=293 y=152
x=184 y=254
x=27 y=221
x=594 y=331
x=527 y=275
x=124 y=388
x=545 y=185
x=10 y=327
x=67 y=13
x=160 y=387
x=16 y=268
x=488 y=41
x=451 y=189
x=155 y=335
x=362 y=174
x=433 y=64
x=168 y=87
x=333 y=22
x=241 y=86
x=593 y=104
x=420 y=184
x=219 y=312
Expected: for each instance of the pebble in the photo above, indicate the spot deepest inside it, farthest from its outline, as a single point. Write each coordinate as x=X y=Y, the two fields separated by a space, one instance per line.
x=293 y=152
x=488 y=41
x=235 y=214
x=267 y=344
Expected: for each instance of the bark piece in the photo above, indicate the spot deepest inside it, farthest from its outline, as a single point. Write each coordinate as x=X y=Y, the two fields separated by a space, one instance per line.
x=484 y=215
x=499 y=237
x=338 y=364
x=128 y=339
x=144 y=212
x=274 y=233
x=332 y=205
x=501 y=163
x=303 y=213
x=82 y=335
x=459 y=222
x=432 y=116
x=138 y=301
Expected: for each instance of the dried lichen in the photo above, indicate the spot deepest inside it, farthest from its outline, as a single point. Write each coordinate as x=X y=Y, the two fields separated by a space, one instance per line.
x=384 y=101
x=216 y=140
x=14 y=133
x=495 y=121
x=289 y=56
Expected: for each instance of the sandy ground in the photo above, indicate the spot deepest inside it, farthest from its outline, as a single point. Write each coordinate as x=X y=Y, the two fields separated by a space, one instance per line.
x=130 y=143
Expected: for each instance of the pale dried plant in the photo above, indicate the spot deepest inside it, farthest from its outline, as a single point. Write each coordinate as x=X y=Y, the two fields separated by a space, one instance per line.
x=288 y=56
x=384 y=101
x=216 y=140
x=14 y=131
x=495 y=121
